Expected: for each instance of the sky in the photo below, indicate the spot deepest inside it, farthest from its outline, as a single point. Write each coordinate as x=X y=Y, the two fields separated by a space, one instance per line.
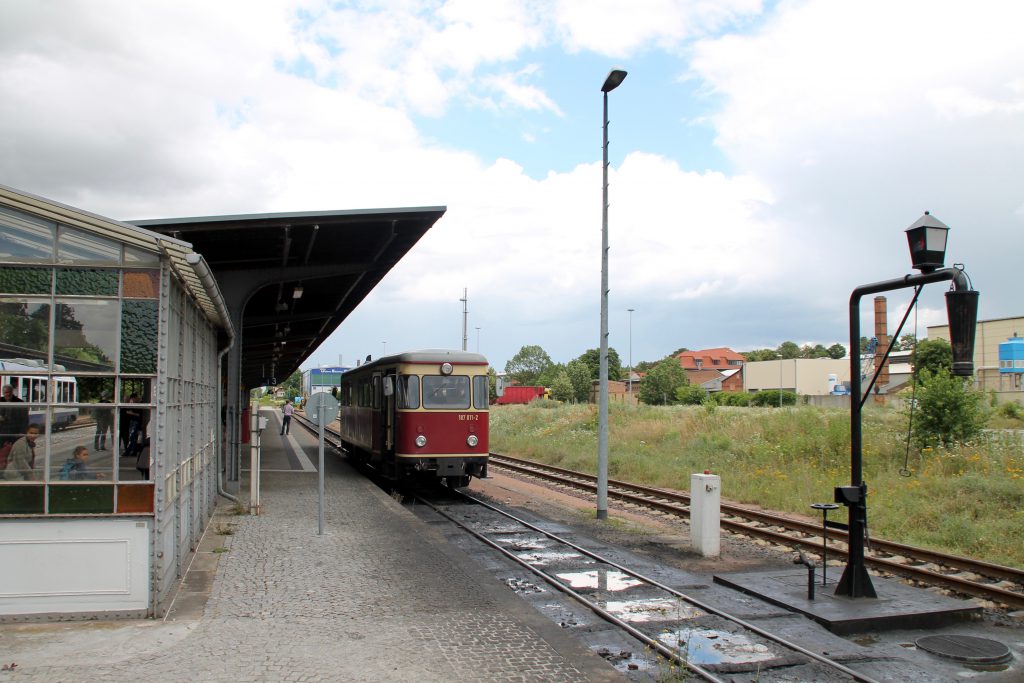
x=765 y=157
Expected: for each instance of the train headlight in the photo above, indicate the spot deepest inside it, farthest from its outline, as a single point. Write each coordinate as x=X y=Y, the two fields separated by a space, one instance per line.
x=446 y=368
x=472 y=440
x=421 y=441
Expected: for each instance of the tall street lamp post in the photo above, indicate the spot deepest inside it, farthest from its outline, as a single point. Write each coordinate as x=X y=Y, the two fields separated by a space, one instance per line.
x=927 y=241
x=614 y=80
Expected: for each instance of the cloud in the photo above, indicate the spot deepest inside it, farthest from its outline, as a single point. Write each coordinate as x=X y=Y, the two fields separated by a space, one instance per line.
x=858 y=118
x=620 y=29
x=841 y=125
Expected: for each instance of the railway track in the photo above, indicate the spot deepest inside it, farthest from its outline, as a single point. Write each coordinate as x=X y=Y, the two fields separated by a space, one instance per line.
x=706 y=640
x=996 y=583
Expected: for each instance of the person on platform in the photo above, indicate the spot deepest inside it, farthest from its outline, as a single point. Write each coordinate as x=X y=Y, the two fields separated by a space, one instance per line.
x=286 y=420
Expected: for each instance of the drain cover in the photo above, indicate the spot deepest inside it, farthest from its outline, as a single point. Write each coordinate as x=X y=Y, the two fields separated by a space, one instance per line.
x=969 y=649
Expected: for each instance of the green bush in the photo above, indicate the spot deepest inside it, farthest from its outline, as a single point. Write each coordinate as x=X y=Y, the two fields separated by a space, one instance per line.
x=1010 y=410
x=691 y=395
x=738 y=399
x=772 y=398
x=949 y=412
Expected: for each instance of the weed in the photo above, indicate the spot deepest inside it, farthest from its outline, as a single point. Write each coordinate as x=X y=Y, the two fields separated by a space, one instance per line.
x=963 y=498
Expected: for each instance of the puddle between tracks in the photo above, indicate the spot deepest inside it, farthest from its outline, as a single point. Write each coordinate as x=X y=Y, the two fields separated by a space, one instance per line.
x=710 y=646
x=653 y=609
x=600 y=579
x=540 y=559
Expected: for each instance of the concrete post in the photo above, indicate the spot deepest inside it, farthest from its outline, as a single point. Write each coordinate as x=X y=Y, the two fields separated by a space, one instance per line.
x=705 y=513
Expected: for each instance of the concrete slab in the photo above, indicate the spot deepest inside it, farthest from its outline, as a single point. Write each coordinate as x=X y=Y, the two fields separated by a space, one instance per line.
x=898 y=606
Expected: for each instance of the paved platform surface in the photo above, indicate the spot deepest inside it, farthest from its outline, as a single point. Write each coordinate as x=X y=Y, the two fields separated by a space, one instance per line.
x=379 y=597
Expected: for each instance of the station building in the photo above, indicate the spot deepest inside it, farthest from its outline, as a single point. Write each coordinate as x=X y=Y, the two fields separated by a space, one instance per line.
x=130 y=350
x=109 y=338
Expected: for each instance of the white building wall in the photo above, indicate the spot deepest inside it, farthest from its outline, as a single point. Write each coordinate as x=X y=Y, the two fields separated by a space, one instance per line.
x=56 y=566
x=806 y=376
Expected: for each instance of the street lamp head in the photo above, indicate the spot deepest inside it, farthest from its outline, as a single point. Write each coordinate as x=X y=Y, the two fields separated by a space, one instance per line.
x=927 y=241
x=614 y=80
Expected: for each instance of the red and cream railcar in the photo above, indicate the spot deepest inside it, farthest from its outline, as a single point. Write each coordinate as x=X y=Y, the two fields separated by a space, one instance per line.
x=418 y=415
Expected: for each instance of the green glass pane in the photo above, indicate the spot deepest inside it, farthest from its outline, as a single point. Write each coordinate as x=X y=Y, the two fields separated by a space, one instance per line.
x=24 y=280
x=138 y=336
x=95 y=389
x=21 y=500
x=85 y=334
x=85 y=498
x=24 y=328
x=88 y=282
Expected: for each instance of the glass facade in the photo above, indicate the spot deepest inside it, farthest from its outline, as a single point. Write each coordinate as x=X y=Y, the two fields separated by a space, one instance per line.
x=79 y=333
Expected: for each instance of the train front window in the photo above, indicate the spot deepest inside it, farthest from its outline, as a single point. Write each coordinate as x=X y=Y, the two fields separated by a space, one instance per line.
x=409 y=392
x=446 y=393
x=481 y=392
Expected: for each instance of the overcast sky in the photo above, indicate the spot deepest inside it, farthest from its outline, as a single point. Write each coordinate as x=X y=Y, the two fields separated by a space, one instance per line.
x=765 y=156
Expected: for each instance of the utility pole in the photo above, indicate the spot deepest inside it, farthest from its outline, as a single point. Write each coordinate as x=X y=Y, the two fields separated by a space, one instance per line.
x=465 y=318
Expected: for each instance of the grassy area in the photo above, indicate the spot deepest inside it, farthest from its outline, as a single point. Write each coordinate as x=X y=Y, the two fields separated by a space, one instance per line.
x=967 y=500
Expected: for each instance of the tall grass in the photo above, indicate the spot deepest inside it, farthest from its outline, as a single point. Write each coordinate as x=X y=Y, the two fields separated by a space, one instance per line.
x=967 y=500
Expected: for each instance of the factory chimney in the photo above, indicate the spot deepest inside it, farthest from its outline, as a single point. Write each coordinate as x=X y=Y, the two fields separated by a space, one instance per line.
x=882 y=335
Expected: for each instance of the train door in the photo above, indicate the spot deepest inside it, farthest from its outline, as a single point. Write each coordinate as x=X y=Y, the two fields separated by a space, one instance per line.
x=389 y=410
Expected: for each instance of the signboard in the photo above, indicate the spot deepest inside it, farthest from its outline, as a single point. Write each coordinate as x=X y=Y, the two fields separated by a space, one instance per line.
x=321 y=402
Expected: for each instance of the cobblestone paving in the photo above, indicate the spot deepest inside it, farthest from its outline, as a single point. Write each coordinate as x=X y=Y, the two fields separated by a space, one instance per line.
x=371 y=600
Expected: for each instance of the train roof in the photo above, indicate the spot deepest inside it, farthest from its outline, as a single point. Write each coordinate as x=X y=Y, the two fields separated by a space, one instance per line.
x=428 y=356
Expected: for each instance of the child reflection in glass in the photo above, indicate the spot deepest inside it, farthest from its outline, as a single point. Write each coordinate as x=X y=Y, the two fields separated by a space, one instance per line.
x=76 y=468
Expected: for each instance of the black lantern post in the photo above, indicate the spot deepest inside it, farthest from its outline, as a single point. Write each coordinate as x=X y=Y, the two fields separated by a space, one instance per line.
x=927 y=242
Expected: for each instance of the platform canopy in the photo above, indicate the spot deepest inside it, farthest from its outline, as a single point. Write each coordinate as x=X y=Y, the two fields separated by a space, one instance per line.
x=290 y=279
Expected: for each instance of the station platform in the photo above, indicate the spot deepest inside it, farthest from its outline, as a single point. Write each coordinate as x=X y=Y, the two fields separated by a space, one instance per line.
x=380 y=596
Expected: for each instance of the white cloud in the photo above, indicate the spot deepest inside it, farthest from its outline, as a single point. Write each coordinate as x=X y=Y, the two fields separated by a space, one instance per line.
x=616 y=28
x=859 y=117
x=842 y=123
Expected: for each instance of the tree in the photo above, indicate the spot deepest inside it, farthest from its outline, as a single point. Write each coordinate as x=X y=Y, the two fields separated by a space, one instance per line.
x=550 y=374
x=837 y=351
x=579 y=376
x=561 y=388
x=492 y=384
x=760 y=354
x=292 y=386
x=948 y=411
x=905 y=343
x=592 y=359
x=788 y=350
x=645 y=365
x=528 y=365
x=660 y=384
x=932 y=355
x=816 y=351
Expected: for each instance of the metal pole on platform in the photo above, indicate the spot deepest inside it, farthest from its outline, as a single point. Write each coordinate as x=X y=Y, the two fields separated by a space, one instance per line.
x=321 y=416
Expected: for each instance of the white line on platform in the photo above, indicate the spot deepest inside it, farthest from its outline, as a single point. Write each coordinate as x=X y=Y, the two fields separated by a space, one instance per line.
x=295 y=448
